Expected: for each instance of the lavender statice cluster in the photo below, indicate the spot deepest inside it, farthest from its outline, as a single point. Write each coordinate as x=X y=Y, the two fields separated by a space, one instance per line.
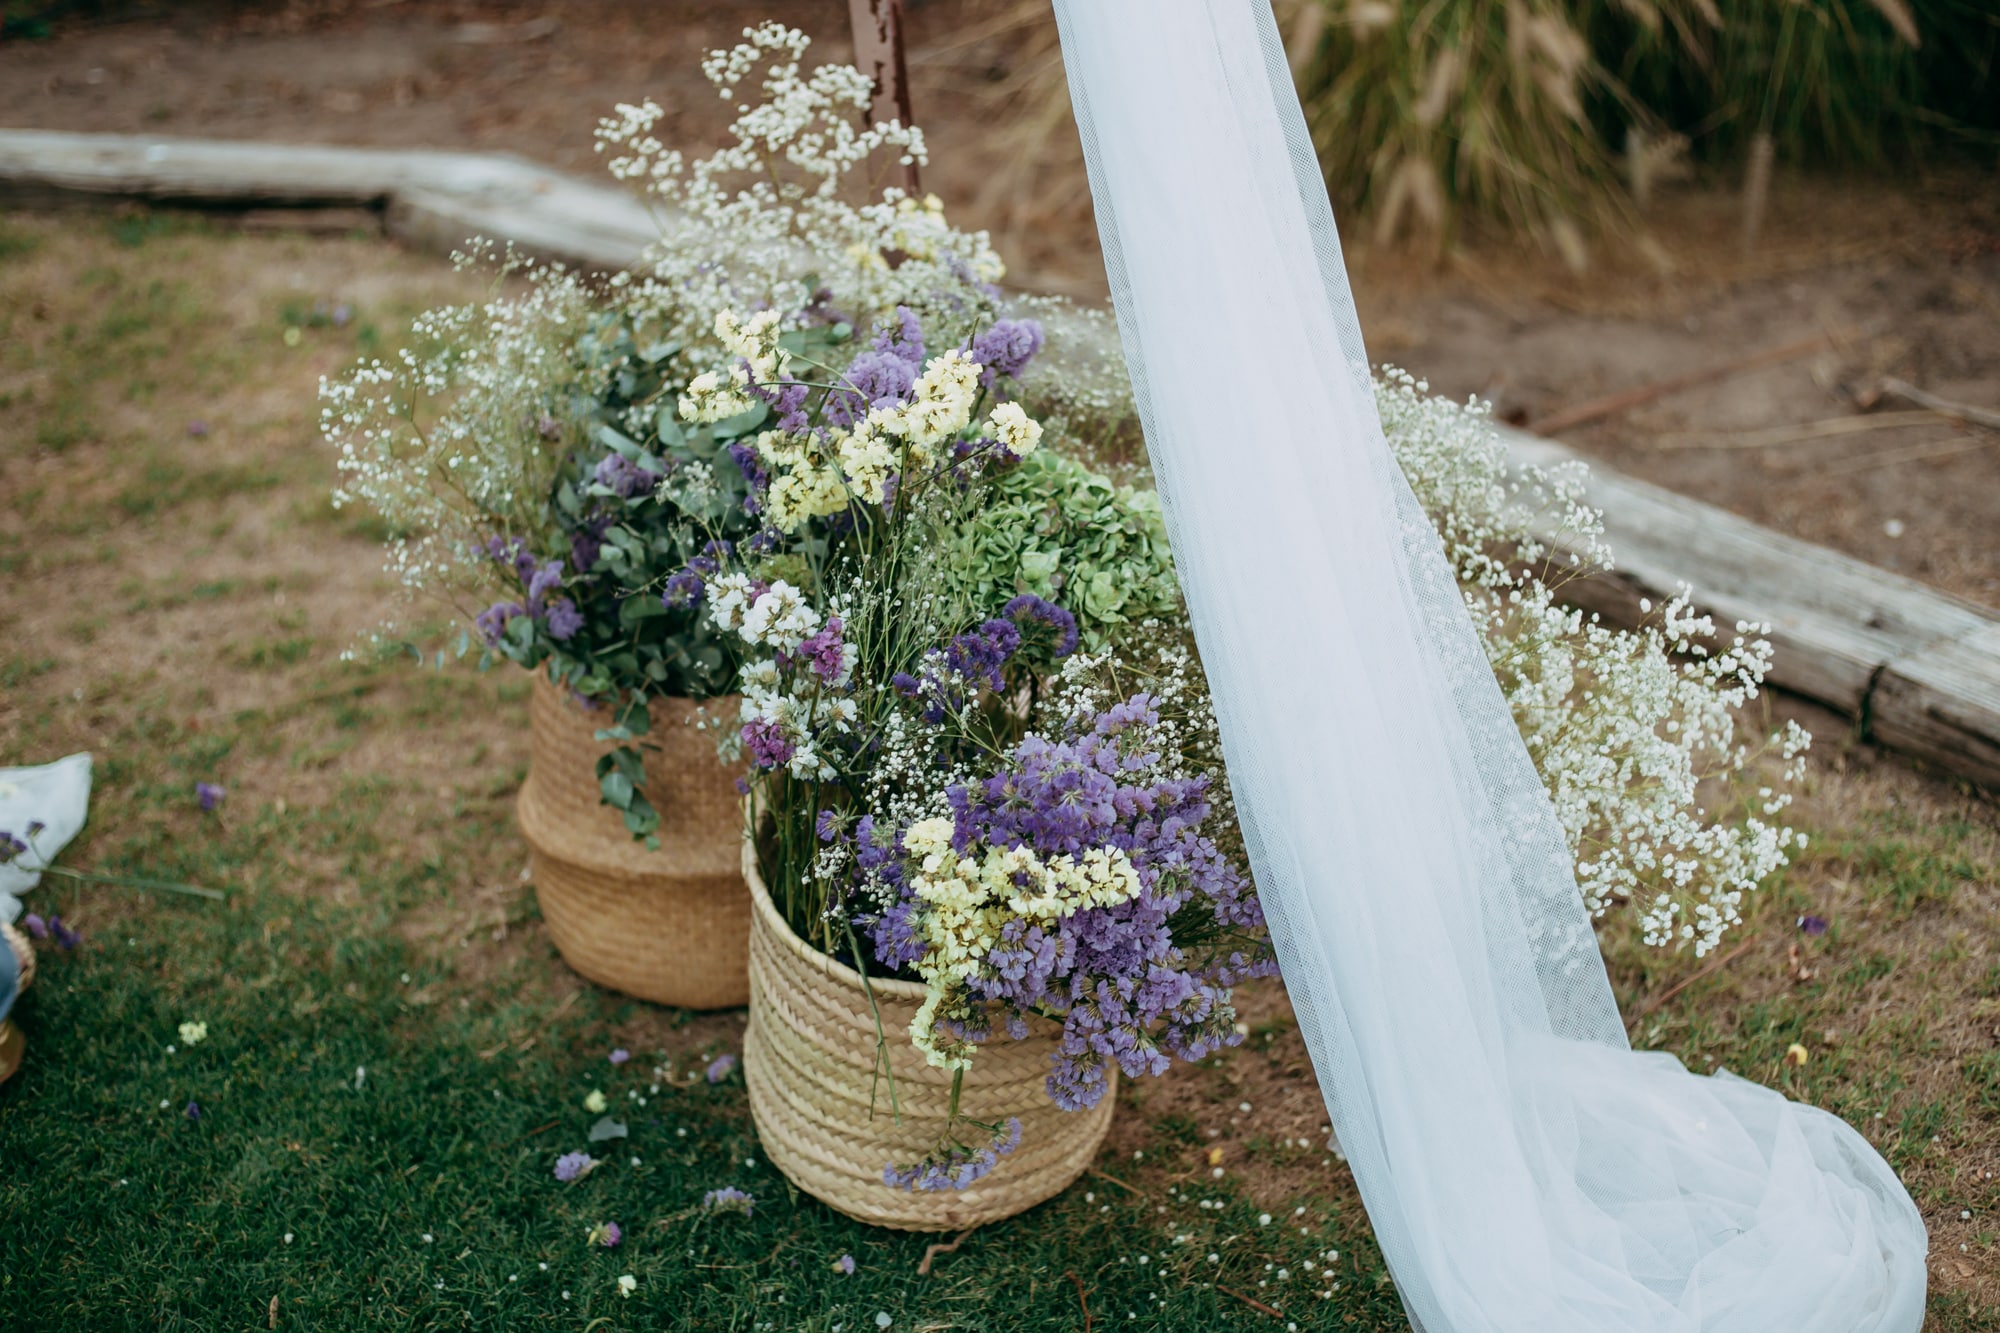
x=1136 y=981
x=955 y=1165
x=540 y=581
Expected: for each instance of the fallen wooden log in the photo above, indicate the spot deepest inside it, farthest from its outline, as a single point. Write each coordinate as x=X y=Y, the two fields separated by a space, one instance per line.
x=1918 y=669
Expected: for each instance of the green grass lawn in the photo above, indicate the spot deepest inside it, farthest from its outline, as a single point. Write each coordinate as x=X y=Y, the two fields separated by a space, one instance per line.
x=177 y=596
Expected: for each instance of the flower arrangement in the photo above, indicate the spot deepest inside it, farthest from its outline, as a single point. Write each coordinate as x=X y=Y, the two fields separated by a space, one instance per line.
x=809 y=455
x=532 y=465
x=946 y=788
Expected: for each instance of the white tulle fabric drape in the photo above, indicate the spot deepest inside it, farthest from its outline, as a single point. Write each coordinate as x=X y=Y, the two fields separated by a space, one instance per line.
x=1523 y=1169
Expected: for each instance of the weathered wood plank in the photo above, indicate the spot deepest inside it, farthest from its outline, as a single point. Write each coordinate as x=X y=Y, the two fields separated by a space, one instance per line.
x=1944 y=703
x=436 y=198
x=1918 y=668
x=1837 y=622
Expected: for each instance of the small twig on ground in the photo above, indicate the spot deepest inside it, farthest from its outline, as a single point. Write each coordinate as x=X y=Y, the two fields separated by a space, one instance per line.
x=1916 y=453
x=1803 y=433
x=1978 y=416
x=543 y=1129
x=1080 y=1300
x=1116 y=1181
x=136 y=882
x=1613 y=404
x=933 y=1251
x=1714 y=966
x=1251 y=1301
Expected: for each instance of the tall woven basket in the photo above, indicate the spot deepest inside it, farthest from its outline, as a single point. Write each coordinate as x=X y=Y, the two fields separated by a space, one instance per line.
x=809 y=1059
x=671 y=925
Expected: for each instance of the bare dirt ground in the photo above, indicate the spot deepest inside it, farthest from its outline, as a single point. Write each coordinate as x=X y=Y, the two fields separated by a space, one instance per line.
x=1904 y=274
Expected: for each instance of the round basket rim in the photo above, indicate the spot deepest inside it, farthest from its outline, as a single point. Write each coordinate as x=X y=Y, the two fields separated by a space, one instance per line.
x=781 y=930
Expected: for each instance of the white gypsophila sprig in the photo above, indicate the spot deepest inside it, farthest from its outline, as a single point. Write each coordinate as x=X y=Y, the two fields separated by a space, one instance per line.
x=1624 y=725
x=788 y=196
x=451 y=439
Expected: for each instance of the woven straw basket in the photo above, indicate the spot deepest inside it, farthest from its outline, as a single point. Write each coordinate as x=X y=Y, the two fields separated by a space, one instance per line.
x=12 y=1044
x=809 y=1059
x=670 y=925
x=24 y=955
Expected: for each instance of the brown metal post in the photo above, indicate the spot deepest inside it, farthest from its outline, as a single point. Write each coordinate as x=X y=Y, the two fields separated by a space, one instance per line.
x=878 y=53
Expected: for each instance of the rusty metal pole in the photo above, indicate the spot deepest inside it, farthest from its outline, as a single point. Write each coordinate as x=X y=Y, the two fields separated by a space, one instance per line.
x=878 y=53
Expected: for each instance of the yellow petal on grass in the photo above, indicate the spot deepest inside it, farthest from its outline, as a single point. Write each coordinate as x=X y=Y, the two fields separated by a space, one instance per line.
x=1215 y=1157
x=1796 y=1054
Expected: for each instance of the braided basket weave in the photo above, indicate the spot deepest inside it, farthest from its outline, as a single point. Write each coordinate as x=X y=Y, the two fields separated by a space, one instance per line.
x=668 y=926
x=12 y=1044
x=809 y=1059
x=24 y=955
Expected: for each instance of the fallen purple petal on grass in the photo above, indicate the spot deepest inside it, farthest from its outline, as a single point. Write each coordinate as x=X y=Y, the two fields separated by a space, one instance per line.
x=36 y=926
x=606 y=1234
x=844 y=1264
x=619 y=1056
x=572 y=1165
x=728 y=1199
x=194 y=1111
x=65 y=937
x=720 y=1068
x=197 y=428
x=1813 y=925
x=208 y=794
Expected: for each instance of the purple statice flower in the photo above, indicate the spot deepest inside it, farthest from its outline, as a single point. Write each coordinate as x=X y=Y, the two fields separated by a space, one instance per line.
x=826 y=653
x=828 y=826
x=574 y=1166
x=492 y=622
x=1028 y=609
x=587 y=543
x=207 y=795
x=511 y=551
x=1005 y=348
x=728 y=1199
x=1813 y=925
x=65 y=937
x=881 y=375
x=193 y=1111
x=10 y=847
x=564 y=620
x=607 y=1234
x=690 y=585
x=36 y=926
x=751 y=466
x=720 y=1068
x=683 y=590
x=787 y=400
x=844 y=1265
x=955 y=1166
x=619 y=1056
x=546 y=578
x=766 y=743
x=623 y=477
x=979 y=654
